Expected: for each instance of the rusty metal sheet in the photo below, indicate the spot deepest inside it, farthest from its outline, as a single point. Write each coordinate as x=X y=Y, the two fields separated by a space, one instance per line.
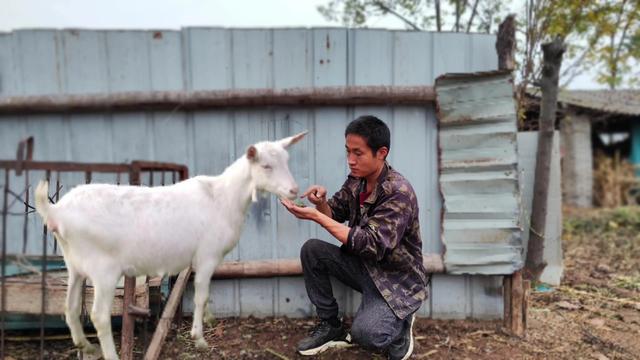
x=479 y=174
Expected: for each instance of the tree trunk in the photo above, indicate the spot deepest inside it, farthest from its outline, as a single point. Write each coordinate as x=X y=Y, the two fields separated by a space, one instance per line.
x=552 y=60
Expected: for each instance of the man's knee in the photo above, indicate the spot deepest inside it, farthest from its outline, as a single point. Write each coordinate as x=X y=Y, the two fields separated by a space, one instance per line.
x=370 y=336
x=311 y=247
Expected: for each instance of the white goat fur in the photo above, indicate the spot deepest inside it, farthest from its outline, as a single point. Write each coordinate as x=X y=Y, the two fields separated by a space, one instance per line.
x=107 y=231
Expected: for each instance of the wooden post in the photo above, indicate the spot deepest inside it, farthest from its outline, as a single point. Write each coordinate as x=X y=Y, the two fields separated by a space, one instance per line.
x=525 y=304
x=506 y=43
x=517 y=304
x=128 y=321
x=515 y=308
x=506 y=295
x=552 y=54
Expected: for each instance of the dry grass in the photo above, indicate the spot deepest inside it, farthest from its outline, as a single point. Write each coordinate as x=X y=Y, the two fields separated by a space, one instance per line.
x=614 y=182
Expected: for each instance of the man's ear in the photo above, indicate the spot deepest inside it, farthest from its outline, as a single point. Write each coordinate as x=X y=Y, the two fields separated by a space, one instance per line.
x=252 y=153
x=382 y=153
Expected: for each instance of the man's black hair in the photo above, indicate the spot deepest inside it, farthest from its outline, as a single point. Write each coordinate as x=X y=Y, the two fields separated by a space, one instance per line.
x=374 y=131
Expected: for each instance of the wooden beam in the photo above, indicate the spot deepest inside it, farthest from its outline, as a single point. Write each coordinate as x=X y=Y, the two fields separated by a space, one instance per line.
x=23 y=296
x=433 y=263
x=193 y=100
x=164 y=325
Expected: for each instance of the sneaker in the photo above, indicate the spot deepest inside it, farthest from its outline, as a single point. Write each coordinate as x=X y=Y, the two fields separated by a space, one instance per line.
x=323 y=337
x=403 y=347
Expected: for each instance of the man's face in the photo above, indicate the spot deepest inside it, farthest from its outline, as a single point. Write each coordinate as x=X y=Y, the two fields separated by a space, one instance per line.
x=362 y=162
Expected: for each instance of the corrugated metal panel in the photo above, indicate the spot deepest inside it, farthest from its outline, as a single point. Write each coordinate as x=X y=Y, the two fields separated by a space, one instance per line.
x=479 y=173
x=84 y=61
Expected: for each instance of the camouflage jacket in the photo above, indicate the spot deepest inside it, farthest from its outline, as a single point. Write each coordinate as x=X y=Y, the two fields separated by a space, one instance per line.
x=385 y=234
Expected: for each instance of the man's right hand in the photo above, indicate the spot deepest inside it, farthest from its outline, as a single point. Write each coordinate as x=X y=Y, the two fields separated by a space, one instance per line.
x=316 y=194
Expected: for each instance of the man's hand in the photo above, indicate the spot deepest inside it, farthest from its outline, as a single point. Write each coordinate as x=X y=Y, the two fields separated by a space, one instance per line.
x=316 y=194
x=304 y=213
x=336 y=229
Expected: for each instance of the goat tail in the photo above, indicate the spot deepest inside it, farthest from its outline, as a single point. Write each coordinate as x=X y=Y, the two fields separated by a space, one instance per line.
x=42 y=199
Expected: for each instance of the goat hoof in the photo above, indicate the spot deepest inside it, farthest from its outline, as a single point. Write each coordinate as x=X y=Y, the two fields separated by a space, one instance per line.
x=201 y=343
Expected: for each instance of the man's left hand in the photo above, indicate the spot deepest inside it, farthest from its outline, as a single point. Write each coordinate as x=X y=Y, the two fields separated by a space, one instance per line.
x=304 y=213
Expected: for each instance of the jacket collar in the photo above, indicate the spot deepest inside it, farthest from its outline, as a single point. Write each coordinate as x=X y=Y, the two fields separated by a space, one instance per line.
x=376 y=190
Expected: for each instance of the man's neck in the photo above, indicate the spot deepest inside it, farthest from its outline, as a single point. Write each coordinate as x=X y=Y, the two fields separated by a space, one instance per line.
x=372 y=179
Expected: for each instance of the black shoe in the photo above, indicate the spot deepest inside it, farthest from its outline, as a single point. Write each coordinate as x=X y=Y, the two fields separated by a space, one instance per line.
x=323 y=337
x=402 y=348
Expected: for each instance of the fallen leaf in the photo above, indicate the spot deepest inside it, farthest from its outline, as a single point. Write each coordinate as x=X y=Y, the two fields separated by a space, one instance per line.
x=603 y=268
x=597 y=322
x=567 y=305
x=601 y=356
x=218 y=332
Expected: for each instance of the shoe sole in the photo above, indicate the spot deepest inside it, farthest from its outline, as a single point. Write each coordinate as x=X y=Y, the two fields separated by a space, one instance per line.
x=410 y=351
x=328 y=345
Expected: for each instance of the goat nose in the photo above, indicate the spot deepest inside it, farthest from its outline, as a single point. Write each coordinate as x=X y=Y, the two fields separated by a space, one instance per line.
x=294 y=190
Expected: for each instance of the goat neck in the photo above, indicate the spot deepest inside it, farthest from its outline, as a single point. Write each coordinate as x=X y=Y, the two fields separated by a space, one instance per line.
x=238 y=183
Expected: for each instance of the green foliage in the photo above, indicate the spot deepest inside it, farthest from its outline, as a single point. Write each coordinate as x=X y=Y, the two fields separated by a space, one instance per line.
x=480 y=15
x=601 y=35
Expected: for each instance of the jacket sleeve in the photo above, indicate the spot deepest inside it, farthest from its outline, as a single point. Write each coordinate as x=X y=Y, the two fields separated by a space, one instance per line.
x=383 y=230
x=339 y=204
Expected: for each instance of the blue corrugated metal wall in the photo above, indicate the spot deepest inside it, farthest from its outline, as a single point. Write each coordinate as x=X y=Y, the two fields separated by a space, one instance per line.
x=84 y=61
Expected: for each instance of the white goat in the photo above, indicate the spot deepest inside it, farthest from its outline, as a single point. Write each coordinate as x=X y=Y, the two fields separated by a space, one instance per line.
x=107 y=231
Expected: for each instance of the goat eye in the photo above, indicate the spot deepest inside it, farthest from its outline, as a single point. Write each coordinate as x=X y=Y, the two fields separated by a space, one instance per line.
x=267 y=167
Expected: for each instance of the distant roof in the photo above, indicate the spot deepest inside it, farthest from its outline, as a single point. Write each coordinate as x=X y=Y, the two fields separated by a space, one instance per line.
x=625 y=102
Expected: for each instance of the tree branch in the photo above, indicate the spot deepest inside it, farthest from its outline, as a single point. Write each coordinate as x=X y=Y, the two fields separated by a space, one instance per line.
x=385 y=8
x=473 y=14
x=624 y=32
x=457 y=24
x=438 y=20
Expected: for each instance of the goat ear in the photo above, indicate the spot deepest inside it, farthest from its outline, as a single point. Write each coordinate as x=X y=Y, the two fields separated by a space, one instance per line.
x=286 y=142
x=252 y=153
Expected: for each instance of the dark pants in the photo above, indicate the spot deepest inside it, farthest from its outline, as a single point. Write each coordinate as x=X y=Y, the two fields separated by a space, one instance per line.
x=375 y=326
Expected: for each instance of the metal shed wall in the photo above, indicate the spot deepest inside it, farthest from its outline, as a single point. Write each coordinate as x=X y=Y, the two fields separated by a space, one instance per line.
x=85 y=61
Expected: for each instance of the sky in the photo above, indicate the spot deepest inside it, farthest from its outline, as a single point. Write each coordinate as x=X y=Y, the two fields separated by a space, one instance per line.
x=174 y=14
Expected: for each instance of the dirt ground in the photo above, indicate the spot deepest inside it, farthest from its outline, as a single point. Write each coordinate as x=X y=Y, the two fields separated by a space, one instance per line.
x=594 y=314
